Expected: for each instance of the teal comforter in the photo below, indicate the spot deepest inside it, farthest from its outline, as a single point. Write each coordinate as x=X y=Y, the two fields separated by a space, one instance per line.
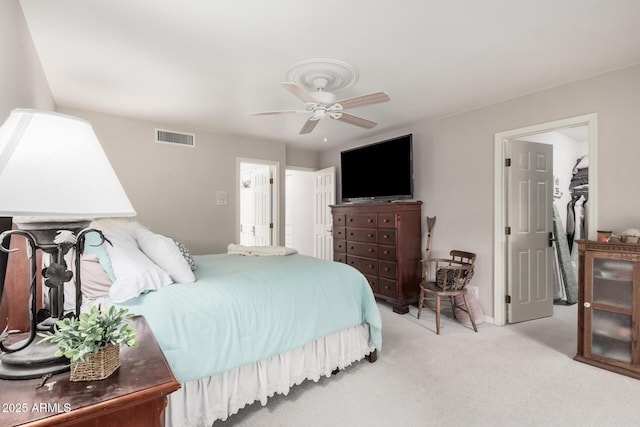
x=244 y=309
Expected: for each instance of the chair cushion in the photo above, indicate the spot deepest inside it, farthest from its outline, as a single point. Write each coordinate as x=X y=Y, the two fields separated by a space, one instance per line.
x=449 y=277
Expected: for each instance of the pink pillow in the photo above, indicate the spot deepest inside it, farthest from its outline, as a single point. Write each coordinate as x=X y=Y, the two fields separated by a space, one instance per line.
x=476 y=310
x=95 y=280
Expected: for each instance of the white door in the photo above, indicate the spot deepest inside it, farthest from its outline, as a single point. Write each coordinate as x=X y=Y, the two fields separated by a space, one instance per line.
x=530 y=219
x=247 y=211
x=262 y=196
x=325 y=195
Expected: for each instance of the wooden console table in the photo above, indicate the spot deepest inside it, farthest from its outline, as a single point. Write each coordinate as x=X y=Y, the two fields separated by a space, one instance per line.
x=135 y=395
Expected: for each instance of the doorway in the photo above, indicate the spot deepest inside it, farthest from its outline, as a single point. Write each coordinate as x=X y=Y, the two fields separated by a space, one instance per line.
x=308 y=221
x=500 y=200
x=257 y=202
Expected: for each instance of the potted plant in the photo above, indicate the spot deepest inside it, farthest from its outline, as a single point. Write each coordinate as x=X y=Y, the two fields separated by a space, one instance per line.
x=92 y=342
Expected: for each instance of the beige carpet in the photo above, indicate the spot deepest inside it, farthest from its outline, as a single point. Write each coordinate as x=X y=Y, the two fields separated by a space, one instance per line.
x=516 y=375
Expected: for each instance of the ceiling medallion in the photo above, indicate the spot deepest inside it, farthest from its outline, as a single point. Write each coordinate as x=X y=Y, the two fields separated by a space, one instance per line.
x=338 y=74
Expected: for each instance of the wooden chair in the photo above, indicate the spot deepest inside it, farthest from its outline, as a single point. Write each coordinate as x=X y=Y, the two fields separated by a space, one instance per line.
x=447 y=278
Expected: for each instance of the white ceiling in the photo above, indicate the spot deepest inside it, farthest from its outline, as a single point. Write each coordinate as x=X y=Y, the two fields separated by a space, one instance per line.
x=207 y=64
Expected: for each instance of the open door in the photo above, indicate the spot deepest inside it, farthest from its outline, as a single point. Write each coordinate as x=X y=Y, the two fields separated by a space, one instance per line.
x=256 y=205
x=325 y=195
x=529 y=190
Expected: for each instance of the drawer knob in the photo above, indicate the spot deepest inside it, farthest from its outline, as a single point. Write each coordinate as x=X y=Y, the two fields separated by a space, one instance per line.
x=385 y=252
x=370 y=220
x=351 y=247
x=369 y=235
x=386 y=236
x=370 y=250
x=587 y=304
x=370 y=266
x=386 y=269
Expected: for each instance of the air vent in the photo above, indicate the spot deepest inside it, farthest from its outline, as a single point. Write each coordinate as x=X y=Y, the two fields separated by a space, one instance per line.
x=177 y=138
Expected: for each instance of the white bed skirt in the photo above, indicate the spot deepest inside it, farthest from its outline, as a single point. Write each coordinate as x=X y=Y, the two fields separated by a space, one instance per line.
x=200 y=403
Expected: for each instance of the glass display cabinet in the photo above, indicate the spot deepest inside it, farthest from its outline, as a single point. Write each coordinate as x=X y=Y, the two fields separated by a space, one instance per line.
x=608 y=306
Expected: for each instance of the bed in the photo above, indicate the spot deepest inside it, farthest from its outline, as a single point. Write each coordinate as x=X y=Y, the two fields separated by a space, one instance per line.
x=242 y=327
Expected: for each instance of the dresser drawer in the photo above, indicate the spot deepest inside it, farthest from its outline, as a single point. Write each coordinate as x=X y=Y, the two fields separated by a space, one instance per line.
x=369 y=250
x=388 y=269
x=340 y=257
x=364 y=265
x=362 y=220
x=387 y=253
x=339 y=219
x=387 y=237
x=367 y=235
x=339 y=245
x=339 y=233
x=388 y=287
x=387 y=220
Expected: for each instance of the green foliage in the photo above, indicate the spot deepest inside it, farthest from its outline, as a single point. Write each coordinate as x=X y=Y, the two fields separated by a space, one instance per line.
x=77 y=338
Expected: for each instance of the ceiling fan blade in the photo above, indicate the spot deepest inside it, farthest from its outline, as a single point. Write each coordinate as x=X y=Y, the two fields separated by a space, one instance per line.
x=268 y=113
x=298 y=91
x=355 y=120
x=309 y=125
x=359 y=101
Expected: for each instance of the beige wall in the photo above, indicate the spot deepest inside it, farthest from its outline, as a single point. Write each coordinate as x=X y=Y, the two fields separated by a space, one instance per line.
x=302 y=158
x=22 y=82
x=454 y=166
x=172 y=188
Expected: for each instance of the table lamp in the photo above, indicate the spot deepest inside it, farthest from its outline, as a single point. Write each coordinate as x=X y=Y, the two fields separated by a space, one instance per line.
x=54 y=180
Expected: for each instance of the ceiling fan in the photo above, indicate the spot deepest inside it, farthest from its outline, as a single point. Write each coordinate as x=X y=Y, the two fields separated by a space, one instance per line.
x=322 y=104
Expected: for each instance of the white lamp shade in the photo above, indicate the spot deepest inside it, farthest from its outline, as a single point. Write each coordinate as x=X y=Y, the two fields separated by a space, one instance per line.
x=52 y=165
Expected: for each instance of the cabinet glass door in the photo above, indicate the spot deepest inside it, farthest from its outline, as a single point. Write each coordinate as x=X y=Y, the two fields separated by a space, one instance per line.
x=611 y=307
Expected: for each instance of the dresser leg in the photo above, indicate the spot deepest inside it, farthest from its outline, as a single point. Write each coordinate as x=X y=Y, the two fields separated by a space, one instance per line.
x=401 y=309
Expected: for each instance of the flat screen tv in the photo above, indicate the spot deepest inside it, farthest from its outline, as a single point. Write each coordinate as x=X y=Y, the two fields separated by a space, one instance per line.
x=378 y=172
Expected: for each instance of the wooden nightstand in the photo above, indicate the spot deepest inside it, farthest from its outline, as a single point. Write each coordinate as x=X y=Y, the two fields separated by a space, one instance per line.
x=135 y=395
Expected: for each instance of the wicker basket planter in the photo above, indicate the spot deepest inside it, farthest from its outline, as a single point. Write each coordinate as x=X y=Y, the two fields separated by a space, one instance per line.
x=98 y=366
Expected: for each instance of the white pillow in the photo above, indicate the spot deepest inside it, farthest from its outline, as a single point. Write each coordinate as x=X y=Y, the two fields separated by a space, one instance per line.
x=135 y=272
x=166 y=254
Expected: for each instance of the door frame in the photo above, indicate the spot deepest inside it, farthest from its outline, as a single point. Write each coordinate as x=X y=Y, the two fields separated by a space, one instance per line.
x=275 y=194
x=500 y=206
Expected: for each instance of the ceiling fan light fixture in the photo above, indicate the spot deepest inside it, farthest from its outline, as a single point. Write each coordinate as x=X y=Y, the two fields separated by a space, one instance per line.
x=319 y=113
x=326 y=98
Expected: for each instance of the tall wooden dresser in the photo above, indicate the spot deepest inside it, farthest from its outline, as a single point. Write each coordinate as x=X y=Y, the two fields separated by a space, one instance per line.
x=383 y=241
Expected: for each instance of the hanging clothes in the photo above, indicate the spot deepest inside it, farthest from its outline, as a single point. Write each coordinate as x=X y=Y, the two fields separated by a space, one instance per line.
x=571 y=221
x=579 y=189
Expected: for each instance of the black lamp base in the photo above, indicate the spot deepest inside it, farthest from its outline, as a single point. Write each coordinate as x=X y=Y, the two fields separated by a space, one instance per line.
x=33 y=361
